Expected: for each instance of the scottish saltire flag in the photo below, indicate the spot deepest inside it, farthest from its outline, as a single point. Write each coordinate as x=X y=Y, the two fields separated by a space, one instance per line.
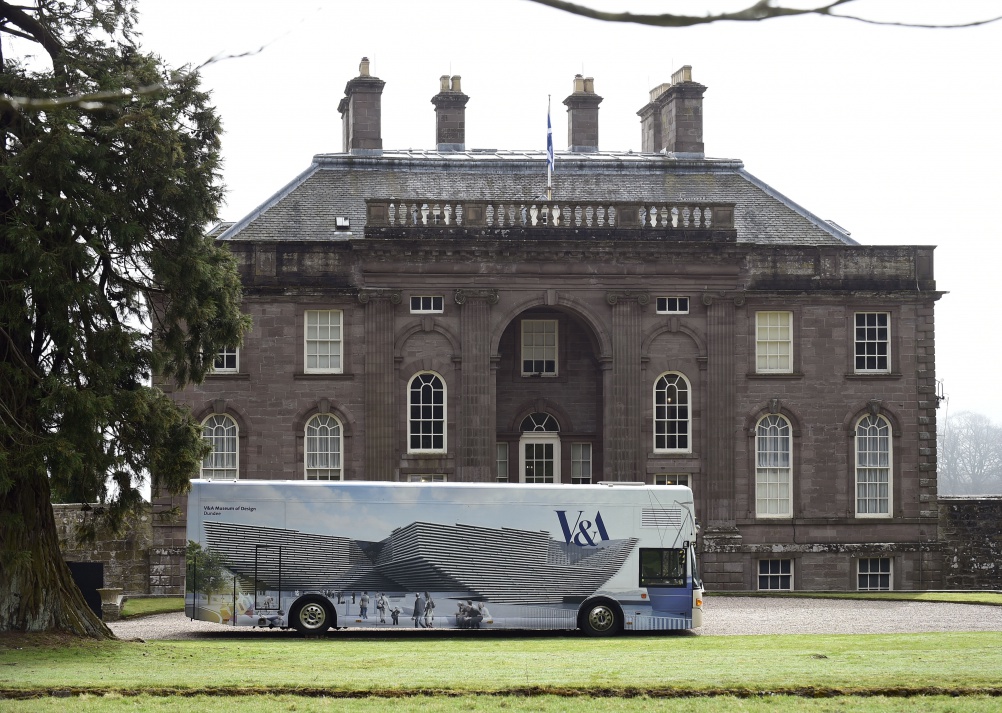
x=549 y=139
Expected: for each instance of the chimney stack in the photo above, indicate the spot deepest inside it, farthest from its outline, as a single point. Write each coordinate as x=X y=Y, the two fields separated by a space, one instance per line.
x=673 y=119
x=582 y=116
x=360 y=113
x=450 y=114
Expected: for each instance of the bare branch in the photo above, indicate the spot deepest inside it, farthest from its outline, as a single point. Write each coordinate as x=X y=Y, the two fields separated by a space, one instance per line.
x=762 y=10
x=101 y=100
x=88 y=102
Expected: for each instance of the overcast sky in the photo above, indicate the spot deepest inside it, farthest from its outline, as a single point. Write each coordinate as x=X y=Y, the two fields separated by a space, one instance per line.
x=892 y=133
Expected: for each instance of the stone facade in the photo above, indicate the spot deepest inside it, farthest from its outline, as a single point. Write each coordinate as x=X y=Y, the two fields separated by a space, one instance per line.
x=690 y=309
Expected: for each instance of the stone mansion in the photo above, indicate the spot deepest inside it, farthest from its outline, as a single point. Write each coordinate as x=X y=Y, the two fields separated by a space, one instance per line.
x=662 y=317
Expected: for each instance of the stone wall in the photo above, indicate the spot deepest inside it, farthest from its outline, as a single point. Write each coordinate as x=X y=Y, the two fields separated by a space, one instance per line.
x=972 y=532
x=125 y=555
x=167 y=566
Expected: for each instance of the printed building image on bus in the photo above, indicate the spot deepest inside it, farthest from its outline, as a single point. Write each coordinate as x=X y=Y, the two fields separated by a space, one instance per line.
x=316 y=555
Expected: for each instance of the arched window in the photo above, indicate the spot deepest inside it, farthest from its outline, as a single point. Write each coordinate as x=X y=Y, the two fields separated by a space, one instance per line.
x=873 y=467
x=426 y=409
x=221 y=433
x=773 y=487
x=671 y=413
x=323 y=448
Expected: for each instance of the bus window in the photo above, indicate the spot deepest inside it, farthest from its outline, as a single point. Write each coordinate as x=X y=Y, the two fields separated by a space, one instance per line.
x=662 y=568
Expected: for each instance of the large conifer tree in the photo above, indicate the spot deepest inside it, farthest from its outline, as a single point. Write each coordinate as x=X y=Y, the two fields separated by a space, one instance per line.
x=103 y=206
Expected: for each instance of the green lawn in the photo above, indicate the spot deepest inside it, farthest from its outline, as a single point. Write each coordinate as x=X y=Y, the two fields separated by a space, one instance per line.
x=507 y=704
x=282 y=663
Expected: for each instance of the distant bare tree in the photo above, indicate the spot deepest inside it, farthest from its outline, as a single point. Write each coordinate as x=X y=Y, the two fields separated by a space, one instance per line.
x=970 y=455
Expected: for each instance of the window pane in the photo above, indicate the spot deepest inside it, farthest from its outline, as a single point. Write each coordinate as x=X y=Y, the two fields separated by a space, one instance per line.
x=872 y=341
x=874 y=574
x=775 y=574
x=427 y=413
x=580 y=463
x=662 y=567
x=539 y=347
x=774 y=342
x=873 y=466
x=323 y=340
x=671 y=413
x=502 y=462
x=221 y=433
x=323 y=448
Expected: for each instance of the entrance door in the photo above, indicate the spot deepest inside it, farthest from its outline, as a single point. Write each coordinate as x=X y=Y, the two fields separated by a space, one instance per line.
x=539 y=449
x=539 y=458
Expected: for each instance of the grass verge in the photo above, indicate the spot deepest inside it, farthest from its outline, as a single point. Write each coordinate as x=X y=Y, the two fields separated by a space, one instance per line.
x=506 y=704
x=991 y=598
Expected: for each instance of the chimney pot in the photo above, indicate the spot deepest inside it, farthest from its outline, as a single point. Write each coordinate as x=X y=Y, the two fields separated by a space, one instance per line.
x=683 y=74
x=673 y=120
x=450 y=114
x=582 y=116
x=361 y=108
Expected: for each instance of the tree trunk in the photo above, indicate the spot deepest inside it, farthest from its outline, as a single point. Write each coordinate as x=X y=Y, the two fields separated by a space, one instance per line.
x=37 y=591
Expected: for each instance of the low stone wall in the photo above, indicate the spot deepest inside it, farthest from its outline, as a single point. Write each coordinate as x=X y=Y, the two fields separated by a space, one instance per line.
x=971 y=530
x=125 y=555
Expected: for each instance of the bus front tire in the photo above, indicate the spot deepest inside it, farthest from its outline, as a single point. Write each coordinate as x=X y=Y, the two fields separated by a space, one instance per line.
x=601 y=618
x=312 y=615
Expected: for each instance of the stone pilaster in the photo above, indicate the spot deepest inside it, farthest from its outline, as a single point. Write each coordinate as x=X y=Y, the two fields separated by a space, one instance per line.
x=720 y=421
x=477 y=415
x=381 y=410
x=624 y=410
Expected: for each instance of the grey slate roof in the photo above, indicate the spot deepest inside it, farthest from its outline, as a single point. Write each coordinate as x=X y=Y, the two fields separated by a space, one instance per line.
x=336 y=185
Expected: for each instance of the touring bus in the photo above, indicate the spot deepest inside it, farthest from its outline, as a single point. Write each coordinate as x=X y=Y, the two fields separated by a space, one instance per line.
x=313 y=555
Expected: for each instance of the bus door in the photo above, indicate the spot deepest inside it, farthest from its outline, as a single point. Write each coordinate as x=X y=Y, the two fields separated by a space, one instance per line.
x=663 y=572
x=267 y=583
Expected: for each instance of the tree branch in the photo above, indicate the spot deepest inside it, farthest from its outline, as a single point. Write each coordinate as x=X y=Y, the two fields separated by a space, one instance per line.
x=36 y=31
x=762 y=10
x=101 y=100
x=88 y=102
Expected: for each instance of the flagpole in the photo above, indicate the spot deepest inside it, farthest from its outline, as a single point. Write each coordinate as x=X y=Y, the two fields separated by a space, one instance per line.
x=549 y=153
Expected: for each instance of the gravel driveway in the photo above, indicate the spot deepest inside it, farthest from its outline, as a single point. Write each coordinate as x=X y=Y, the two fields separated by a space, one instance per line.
x=724 y=616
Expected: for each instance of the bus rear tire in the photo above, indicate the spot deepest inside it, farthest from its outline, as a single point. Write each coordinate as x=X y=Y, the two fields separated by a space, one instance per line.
x=311 y=615
x=600 y=618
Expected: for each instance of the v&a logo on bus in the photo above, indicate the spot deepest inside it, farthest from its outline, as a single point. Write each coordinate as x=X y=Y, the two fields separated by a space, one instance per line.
x=583 y=532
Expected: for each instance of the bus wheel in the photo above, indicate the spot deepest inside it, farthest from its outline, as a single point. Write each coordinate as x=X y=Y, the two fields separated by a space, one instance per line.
x=601 y=618
x=311 y=616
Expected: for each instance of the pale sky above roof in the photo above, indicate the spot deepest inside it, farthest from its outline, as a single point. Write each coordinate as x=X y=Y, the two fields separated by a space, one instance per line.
x=892 y=133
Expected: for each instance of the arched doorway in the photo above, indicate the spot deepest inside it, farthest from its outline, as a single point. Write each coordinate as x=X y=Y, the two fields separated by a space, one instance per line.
x=539 y=449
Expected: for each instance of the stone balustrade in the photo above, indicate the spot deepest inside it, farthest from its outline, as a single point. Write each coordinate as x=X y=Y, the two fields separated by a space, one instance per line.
x=520 y=215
